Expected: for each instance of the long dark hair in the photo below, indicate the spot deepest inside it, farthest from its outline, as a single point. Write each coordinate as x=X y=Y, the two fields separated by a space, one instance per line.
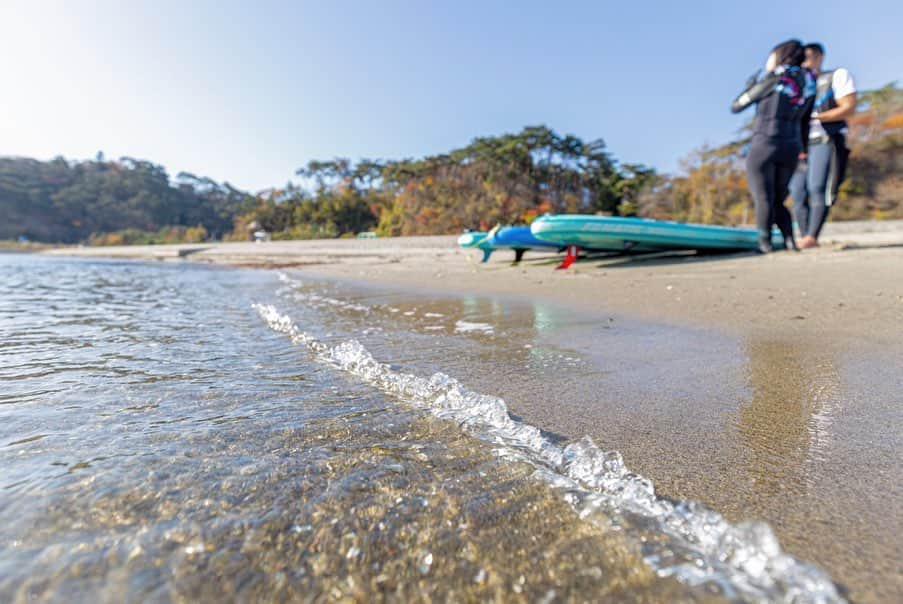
x=789 y=53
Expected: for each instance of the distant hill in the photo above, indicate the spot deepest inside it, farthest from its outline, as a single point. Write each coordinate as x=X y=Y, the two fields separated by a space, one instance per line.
x=68 y=202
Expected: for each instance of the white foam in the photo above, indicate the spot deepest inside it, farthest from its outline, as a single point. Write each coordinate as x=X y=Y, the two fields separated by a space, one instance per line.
x=467 y=327
x=696 y=545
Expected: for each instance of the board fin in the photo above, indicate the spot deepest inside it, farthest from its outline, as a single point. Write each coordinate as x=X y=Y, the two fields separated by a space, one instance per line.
x=486 y=255
x=572 y=252
x=519 y=255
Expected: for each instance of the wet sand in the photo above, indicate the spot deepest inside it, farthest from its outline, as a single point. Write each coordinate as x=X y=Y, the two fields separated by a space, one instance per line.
x=801 y=430
x=764 y=387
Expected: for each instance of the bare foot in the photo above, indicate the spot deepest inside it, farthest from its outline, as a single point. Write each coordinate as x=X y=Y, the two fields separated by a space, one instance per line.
x=808 y=241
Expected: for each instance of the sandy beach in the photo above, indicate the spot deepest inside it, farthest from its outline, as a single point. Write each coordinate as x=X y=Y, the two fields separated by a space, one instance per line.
x=851 y=287
x=764 y=387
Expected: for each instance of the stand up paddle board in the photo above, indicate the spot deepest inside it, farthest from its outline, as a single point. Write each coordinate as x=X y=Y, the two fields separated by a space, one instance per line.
x=476 y=240
x=519 y=239
x=587 y=231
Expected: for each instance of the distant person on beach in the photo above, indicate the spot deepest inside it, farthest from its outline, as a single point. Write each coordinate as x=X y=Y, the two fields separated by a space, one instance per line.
x=783 y=97
x=820 y=172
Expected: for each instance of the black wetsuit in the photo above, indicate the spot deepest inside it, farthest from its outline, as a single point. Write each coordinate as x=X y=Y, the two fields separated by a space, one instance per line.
x=783 y=101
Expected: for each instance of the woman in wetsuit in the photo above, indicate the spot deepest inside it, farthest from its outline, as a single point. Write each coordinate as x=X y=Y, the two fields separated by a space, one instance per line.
x=783 y=98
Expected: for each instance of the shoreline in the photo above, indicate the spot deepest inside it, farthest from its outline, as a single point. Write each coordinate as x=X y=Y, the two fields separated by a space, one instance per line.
x=850 y=289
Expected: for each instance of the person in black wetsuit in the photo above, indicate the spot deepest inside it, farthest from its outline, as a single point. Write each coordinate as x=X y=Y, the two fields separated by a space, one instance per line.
x=783 y=97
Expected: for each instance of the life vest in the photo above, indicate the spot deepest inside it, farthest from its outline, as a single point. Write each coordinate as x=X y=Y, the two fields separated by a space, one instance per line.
x=824 y=100
x=779 y=112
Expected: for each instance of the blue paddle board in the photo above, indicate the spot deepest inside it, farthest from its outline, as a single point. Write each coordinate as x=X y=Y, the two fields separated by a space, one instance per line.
x=477 y=240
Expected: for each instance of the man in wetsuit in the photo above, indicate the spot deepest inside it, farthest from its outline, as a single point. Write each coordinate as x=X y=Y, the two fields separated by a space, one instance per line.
x=820 y=171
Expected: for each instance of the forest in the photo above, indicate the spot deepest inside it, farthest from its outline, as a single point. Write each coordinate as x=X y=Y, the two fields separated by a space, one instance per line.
x=124 y=201
x=505 y=179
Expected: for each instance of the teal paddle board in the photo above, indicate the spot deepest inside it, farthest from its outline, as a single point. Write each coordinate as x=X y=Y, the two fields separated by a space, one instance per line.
x=587 y=231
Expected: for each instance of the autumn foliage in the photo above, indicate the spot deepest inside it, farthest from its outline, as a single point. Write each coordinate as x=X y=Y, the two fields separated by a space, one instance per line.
x=507 y=179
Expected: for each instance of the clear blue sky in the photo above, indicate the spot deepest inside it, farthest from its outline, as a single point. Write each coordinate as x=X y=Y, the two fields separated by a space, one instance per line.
x=249 y=91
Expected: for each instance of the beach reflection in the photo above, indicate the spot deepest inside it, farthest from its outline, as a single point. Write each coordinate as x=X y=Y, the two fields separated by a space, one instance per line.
x=546 y=318
x=786 y=427
x=774 y=429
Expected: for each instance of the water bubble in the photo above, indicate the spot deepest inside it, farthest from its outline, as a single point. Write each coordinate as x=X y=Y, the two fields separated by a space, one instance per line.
x=426 y=562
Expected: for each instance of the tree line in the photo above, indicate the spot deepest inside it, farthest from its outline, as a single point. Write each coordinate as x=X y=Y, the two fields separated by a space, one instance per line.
x=123 y=201
x=506 y=179
x=512 y=178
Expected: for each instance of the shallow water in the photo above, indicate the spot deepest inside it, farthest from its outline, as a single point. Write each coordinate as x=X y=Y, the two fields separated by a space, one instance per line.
x=177 y=431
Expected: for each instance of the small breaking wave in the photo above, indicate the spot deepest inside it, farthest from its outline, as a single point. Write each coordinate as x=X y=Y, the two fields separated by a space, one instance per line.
x=690 y=542
x=470 y=326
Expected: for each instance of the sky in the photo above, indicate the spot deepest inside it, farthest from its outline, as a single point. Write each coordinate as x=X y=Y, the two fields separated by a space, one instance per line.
x=248 y=92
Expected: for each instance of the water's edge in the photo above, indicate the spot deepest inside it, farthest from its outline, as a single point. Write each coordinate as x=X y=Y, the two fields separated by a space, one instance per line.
x=677 y=538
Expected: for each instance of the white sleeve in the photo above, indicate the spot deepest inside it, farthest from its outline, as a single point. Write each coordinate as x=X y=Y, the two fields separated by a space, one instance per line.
x=842 y=83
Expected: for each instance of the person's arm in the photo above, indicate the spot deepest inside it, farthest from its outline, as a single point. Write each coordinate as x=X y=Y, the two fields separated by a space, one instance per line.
x=844 y=89
x=846 y=107
x=755 y=92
